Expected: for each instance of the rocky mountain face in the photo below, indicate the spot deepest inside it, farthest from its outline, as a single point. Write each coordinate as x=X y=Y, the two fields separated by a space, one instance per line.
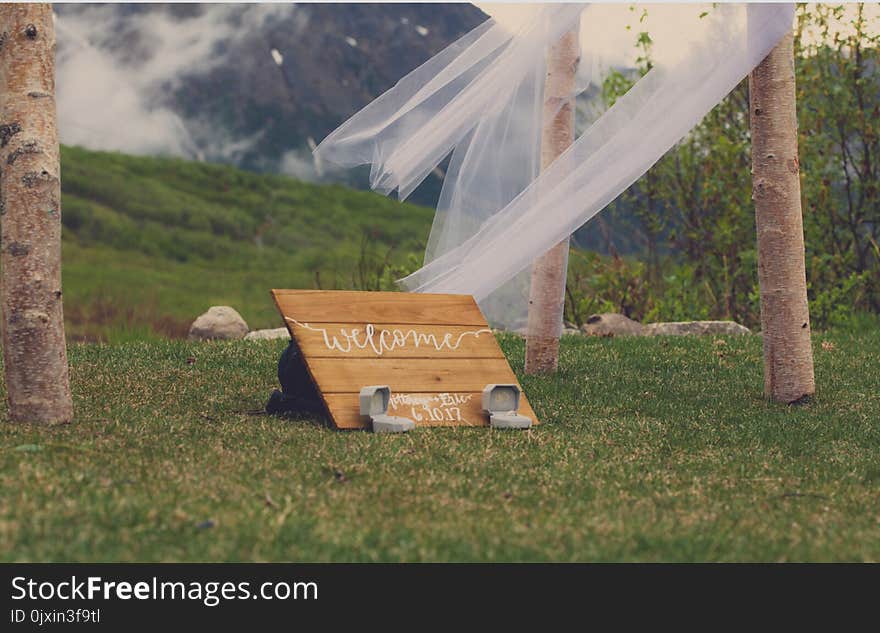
x=252 y=85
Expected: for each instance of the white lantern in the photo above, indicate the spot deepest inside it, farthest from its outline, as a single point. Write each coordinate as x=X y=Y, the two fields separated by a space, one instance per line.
x=500 y=403
x=374 y=402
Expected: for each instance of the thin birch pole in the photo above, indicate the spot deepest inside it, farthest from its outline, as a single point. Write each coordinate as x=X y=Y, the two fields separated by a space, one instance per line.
x=34 y=350
x=776 y=190
x=547 y=291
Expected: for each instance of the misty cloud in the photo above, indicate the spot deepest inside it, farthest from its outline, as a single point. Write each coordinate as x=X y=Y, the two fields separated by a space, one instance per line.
x=113 y=97
x=299 y=164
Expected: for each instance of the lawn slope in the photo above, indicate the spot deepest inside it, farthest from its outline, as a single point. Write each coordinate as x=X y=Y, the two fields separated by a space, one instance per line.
x=650 y=449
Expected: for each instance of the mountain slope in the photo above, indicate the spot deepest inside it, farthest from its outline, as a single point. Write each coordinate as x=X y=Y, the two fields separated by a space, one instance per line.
x=150 y=243
x=250 y=85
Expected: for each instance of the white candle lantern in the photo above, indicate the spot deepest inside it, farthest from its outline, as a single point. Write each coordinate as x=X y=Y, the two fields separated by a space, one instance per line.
x=374 y=401
x=500 y=403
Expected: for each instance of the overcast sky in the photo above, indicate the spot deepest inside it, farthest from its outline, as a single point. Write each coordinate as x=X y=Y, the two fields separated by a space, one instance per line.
x=607 y=30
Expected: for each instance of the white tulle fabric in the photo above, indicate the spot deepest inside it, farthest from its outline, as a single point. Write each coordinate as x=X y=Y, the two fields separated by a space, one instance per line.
x=482 y=100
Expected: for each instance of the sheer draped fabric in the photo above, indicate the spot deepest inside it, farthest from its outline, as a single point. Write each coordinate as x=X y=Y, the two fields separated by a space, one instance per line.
x=481 y=99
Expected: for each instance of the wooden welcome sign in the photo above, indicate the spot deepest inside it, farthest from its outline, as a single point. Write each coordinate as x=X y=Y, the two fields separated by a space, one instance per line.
x=436 y=353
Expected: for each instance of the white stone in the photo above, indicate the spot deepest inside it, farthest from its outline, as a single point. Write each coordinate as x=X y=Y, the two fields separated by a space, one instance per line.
x=510 y=420
x=265 y=335
x=219 y=322
x=392 y=424
x=696 y=328
x=612 y=324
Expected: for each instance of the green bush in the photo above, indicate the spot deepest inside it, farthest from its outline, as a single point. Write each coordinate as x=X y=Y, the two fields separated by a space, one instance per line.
x=693 y=215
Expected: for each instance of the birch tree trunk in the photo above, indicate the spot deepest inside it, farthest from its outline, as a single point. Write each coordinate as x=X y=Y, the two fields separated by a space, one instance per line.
x=34 y=351
x=547 y=291
x=776 y=190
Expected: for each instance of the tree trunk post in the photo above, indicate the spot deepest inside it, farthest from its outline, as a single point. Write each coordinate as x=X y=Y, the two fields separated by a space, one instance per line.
x=776 y=191
x=34 y=351
x=547 y=291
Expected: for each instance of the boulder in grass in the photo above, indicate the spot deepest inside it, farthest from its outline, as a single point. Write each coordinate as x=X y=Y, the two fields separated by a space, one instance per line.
x=569 y=328
x=266 y=335
x=696 y=328
x=219 y=322
x=612 y=324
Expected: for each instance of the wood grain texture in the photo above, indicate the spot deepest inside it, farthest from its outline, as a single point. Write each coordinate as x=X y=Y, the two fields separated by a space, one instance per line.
x=334 y=306
x=366 y=340
x=436 y=355
x=425 y=409
x=348 y=375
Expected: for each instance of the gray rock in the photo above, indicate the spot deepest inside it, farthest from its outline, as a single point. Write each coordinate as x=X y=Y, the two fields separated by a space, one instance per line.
x=696 y=328
x=612 y=324
x=219 y=322
x=265 y=335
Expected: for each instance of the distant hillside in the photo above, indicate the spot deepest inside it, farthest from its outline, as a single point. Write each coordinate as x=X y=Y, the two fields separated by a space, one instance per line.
x=149 y=243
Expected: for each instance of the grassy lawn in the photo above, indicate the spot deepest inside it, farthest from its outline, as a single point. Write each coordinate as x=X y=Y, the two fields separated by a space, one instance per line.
x=651 y=449
x=118 y=297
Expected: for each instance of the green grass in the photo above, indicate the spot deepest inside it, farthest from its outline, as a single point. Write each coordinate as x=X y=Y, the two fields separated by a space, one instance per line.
x=150 y=243
x=659 y=449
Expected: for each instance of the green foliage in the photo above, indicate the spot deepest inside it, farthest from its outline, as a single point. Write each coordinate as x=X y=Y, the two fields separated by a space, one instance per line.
x=605 y=284
x=692 y=212
x=375 y=272
x=599 y=284
x=832 y=302
x=839 y=118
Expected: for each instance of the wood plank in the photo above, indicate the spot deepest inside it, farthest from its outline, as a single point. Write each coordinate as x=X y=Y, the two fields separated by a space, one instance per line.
x=366 y=340
x=425 y=409
x=347 y=375
x=329 y=306
x=435 y=352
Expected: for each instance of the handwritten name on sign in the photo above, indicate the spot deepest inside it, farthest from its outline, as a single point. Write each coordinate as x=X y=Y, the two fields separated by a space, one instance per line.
x=435 y=352
x=437 y=407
